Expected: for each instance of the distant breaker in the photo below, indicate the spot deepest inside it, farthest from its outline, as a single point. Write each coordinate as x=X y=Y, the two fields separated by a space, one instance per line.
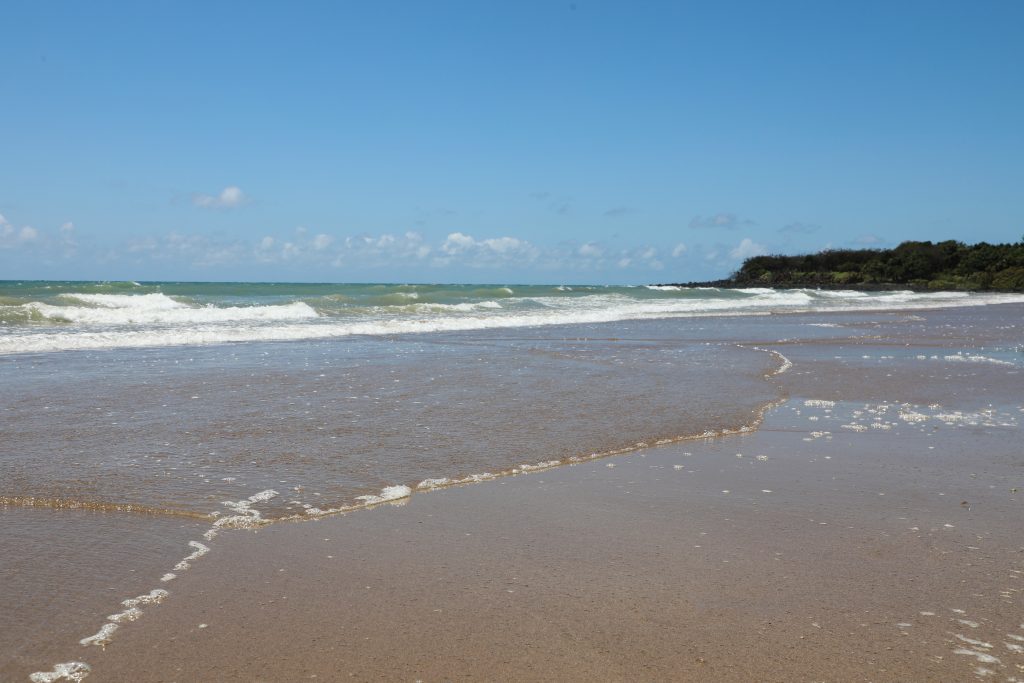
x=64 y=316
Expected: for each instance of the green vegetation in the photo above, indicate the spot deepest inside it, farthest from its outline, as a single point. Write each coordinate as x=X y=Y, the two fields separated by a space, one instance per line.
x=946 y=265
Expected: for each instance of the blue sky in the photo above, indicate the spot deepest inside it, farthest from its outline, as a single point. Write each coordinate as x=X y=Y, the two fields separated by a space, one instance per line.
x=498 y=141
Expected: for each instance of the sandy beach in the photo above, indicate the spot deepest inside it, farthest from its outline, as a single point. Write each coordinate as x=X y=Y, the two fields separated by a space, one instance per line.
x=829 y=560
x=868 y=530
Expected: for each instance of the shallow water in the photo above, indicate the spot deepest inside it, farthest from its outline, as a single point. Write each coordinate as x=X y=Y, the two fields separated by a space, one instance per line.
x=324 y=422
x=156 y=444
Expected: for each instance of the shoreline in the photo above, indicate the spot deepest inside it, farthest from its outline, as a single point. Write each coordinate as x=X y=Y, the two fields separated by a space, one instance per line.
x=780 y=576
x=239 y=563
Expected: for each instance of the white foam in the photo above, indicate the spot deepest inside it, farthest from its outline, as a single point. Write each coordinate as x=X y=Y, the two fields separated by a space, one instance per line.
x=69 y=671
x=816 y=403
x=126 y=309
x=153 y=597
x=263 y=496
x=101 y=637
x=245 y=517
x=199 y=551
x=130 y=614
x=428 y=484
x=539 y=466
x=975 y=358
x=977 y=643
x=388 y=493
x=982 y=657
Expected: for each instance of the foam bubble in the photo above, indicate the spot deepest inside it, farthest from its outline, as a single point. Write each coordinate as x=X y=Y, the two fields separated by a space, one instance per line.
x=101 y=637
x=816 y=403
x=153 y=597
x=245 y=517
x=69 y=671
x=199 y=551
x=388 y=493
x=982 y=657
x=130 y=614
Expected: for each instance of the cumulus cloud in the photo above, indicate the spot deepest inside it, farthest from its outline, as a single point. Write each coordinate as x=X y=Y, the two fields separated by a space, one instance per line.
x=645 y=258
x=720 y=221
x=10 y=236
x=747 y=248
x=195 y=250
x=229 y=198
x=495 y=251
x=312 y=250
x=381 y=250
x=457 y=242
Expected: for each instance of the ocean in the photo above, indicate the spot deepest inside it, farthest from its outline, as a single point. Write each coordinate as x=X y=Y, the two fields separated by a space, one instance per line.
x=140 y=418
x=65 y=316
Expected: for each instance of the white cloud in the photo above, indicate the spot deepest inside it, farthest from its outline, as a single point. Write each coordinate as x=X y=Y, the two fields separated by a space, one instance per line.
x=625 y=262
x=503 y=245
x=678 y=250
x=385 y=250
x=11 y=237
x=322 y=241
x=494 y=251
x=748 y=248
x=590 y=250
x=229 y=198
x=457 y=242
x=67 y=228
x=267 y=243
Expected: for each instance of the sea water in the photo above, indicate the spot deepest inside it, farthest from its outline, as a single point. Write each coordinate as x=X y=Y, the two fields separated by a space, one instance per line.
x=138 y=420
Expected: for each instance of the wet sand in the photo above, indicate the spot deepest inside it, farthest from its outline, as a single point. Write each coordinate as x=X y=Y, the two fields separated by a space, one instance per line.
x=882 y=555
x=876 y=539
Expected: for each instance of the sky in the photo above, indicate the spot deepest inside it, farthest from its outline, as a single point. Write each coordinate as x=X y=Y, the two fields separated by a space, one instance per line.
x=498 y=141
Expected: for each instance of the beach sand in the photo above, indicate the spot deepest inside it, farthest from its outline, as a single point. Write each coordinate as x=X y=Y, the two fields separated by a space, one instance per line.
x=872 y=554
x=876 y=538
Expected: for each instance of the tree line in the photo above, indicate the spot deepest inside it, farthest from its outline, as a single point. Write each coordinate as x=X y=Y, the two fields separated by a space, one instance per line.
x=948 y=265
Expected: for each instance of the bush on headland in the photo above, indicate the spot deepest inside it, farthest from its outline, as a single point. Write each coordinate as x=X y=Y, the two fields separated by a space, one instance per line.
x=948 y=265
